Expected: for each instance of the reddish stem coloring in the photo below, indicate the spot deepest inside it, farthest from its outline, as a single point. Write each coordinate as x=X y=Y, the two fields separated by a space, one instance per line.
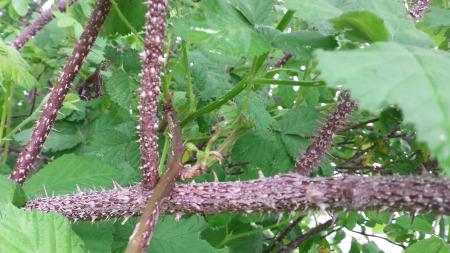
x=38 y=24
x=45 y=122
x=324 y=138
x=152 y=58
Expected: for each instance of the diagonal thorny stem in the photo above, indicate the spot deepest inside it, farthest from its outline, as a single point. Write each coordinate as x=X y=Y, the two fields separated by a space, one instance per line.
x=150 y=89
x=287 y=192
x=143 y=232
x=37 y=24
x=324 y=138
x=45 y=122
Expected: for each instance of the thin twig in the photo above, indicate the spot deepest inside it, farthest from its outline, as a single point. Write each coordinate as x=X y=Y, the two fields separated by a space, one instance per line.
x=380 y=237
x=156 y=205
x=279 y=239
x=302 y=238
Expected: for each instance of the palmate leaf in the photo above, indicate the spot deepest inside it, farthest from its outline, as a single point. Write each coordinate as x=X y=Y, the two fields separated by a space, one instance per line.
x=32 y=231
x=219 y=26
x=13 y=68
x=399 y=26
x=414 y=78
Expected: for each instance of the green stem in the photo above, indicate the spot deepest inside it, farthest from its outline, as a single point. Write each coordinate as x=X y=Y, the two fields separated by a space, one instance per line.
x=162 y=161
x=288 y=82
x=285 y=20
x=10 y=98
x=125 y=21
x=251 y=232
x=216 y=104
x=188 y=77
x=5 y=110
x=29 y=119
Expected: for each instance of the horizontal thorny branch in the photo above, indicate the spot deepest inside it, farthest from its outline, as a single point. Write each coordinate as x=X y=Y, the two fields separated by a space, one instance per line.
x=287 y=192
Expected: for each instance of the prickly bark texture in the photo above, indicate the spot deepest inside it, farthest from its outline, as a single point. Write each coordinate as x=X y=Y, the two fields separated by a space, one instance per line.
x=324 y=138
x=44 y=124
x=144 y=229
x=306 y=236
x=150 y=89
x=287 y=192
x=418 y=8
x=35 y=26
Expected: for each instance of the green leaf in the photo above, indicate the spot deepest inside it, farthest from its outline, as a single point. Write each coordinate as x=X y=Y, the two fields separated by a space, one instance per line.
x=255 y=11
x=115 y=145
x=432 y=245
x=437 y=17
x=418 y=223
x=371 y=247
x=361 y=26
x=11 y=192
x=217 y=25
x=302 y=121
x=134 y=12
x=298 y=42
x=416 y=79
x=13 y=68
x=122 y=89
x=63 y=175
x=32 y=231
x=64 y=136
x=398 y=25
x=21 y=6
x=170 y=236
x=97 y=237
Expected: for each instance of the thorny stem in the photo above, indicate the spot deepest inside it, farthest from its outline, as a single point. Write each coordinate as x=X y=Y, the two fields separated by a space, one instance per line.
x=302 y=238
x=31 y=30
x=142 y=234
x=44 y=124
x=152 y=58
x=324 y=138
x=418 y=9
x=281 y=193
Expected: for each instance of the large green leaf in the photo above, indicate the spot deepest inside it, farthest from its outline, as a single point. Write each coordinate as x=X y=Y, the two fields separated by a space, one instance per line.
x=63 y=175
x=437 y=17
x=220 y=26
x=32 y=231
x=400 y=27
x=298 y=42
x=390 y=73
x=133 y=12
x=430 y=245
x=20 y=6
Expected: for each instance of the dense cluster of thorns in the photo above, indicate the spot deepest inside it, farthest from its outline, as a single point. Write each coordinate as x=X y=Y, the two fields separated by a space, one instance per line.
x=157 y=195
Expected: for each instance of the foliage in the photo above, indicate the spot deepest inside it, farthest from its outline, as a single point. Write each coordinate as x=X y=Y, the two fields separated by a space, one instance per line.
x=242 y=114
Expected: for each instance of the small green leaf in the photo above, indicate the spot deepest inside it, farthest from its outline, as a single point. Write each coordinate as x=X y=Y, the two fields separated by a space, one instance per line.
x=298 y=42
x=302 y=121
x=122 y=89
x=21 y=6
x=361 y=26
x=437 y=17
x=32 y=231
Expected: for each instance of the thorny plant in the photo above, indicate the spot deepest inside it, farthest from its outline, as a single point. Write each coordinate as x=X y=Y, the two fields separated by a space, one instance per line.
x=157 y=195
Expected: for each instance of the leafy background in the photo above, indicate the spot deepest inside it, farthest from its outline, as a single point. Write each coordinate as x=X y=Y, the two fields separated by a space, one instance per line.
x=396 y=68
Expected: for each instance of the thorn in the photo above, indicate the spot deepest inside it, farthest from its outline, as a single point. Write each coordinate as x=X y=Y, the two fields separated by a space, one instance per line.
x=261 y=174
x=116 y=185
x=216 y=179
x=78 y=188
x=45 y=191
x=125 y=219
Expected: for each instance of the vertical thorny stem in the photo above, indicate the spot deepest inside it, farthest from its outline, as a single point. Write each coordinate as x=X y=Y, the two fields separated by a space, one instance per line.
x=38 y=23
x=150 y=89
x=324 y=138
x=156 y=205
x=45 y=122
